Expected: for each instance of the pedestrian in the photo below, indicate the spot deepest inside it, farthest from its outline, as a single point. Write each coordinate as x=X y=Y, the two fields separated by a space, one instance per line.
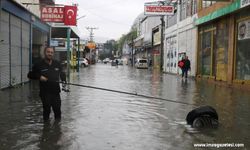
x=116 y=62
x=48 y=71
x=186 y=67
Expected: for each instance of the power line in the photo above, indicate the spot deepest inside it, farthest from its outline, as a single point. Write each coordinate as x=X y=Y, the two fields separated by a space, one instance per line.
x=107 y=19
x=105 y=4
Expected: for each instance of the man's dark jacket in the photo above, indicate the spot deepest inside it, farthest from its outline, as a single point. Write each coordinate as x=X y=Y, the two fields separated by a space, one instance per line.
x=53 y=72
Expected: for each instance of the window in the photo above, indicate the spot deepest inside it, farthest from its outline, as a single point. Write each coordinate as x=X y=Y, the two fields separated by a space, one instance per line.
x=207 y=3
x=194 y=7
x=183 y=9
x=206 y=53
x=171 y=20
x=242 y=51
x=188 y=8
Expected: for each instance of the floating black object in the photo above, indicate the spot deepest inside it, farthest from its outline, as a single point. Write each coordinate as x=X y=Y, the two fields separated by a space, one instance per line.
x=203 y=117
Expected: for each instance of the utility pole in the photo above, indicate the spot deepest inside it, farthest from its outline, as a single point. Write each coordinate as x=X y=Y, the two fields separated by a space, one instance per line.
x=162 y=40
x=91 y=34
x=91 y=39
x=133 y=51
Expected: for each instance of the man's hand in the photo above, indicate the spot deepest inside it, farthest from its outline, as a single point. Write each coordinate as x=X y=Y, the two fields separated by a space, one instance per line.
x=43 y=78
x=64 y=87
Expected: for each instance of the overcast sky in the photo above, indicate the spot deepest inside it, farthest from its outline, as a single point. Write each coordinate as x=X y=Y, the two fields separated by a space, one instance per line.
x=112 y=17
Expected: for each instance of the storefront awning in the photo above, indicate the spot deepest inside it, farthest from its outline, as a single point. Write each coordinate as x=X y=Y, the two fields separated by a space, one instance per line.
x=61 y=32
x=218 y=13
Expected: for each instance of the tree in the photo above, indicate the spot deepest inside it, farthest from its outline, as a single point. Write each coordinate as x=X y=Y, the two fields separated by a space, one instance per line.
x=126 y=37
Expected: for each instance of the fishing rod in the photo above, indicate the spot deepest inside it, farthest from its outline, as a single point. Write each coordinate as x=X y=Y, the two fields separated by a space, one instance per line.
x=123 y=92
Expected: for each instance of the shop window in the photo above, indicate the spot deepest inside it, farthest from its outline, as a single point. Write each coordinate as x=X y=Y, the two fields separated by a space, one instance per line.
x=220 y=52
x=172 y=20
x=188 y=8
x=206 y=53
x=242 y=51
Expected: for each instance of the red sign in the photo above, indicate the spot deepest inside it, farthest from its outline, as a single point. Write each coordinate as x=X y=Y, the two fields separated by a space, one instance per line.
x=156 y=52
x=66 y=14
x=52 y=14
x=70 y=15
x=159 y=10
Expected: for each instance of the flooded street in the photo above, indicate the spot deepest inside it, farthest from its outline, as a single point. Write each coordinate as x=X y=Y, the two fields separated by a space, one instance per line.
x=95 y=119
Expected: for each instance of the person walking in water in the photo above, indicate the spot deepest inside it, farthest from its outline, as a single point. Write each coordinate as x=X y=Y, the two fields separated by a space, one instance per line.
x=186 y=67
x=48 y=71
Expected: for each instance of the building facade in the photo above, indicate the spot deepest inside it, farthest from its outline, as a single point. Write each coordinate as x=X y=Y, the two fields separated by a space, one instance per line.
x=20 y=30
x=223 y=42
x=147 y=43
x=180 y=37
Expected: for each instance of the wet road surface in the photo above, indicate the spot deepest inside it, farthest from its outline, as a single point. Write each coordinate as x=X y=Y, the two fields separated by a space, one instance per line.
x=101 y=120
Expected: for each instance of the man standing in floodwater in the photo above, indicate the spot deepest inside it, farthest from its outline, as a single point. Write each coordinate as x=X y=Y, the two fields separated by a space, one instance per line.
x=48 y=71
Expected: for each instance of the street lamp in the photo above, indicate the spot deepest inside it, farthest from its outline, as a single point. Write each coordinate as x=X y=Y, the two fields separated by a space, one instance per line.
x=81 y=17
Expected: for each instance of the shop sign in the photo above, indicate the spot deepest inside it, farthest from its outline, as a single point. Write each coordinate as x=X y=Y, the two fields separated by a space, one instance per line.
x=155 y=8
x=244 y=30
x=91 y=45
x=66 y=14
x=52 y=14
x=156 y=52
x=70 y=15
x=53 y=43
x=157 y=38
x=244 y=3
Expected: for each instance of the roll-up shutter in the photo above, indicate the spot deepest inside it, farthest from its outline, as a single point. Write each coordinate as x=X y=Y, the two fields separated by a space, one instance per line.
x=25 y=50
x=15 y=50
x=4 y=51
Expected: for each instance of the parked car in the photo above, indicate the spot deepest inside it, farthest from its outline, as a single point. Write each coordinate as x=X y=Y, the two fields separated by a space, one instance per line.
x=83 y=62
x=106 y=60
x=113 y=63
x=141 y=63
x=120 y=61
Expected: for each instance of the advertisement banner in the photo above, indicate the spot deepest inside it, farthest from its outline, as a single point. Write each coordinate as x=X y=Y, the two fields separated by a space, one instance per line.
x=70 y=15
x=52 y=14
x=244 y=30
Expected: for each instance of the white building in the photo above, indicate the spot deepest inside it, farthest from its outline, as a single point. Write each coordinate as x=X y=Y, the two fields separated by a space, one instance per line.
x=180 y=37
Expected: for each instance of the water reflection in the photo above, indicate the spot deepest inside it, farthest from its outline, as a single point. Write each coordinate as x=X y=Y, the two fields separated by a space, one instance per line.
x=100 y=120
x=51 y=136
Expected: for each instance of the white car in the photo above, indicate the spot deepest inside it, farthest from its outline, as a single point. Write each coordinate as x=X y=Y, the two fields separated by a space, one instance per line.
x=106 y=60
x=141 y=63
x=83 y=62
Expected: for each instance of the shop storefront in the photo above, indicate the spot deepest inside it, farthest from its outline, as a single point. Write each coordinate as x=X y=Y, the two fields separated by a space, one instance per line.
x=156 y=49
x=223 y=44
x=18 y=26
x=242 y=48
x=213 y=50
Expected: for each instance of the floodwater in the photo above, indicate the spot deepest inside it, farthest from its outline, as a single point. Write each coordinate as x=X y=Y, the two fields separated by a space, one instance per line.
x=94 y=119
